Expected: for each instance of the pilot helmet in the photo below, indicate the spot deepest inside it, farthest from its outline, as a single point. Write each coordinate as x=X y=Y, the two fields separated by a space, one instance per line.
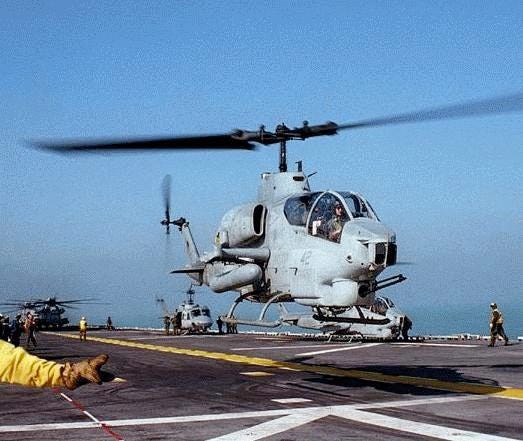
x=83 y=318
x=493 y=305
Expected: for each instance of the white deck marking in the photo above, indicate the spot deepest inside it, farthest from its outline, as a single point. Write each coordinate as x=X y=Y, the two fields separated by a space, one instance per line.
x=272 y=427
x=431 y=430
x=87 y=414
x=66 y=397
x=288 y=347
x=234 y=415
x=291 y=400
x=271 y=338
x=346 y=348
x=445 y=345
x=163 y=337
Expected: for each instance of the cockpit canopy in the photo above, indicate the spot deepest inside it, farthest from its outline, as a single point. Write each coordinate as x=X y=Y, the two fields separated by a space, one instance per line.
x=203 y=311
x=322 y=211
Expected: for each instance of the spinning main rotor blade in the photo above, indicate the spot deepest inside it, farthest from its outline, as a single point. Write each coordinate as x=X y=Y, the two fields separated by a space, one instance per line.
x=246 y=140
x=218 y=142
x=502 y=104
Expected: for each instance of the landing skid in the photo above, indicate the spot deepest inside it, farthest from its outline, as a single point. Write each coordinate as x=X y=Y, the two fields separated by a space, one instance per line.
x=230 y=319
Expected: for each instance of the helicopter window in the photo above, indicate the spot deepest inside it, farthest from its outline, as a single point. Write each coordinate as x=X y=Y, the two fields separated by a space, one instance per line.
x=379 y=306
x=388 y=301
x=358 y=206
x=328 y=218
x=297 y=209
x=196 y=312
x=372 y=210
x=206 y=312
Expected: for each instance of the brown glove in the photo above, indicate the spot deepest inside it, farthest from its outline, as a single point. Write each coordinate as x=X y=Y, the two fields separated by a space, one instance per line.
x=82 y=372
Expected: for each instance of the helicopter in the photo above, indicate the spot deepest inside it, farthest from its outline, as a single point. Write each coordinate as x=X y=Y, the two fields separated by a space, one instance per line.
x=323 y=249
x=192 y=317
x=47 y=312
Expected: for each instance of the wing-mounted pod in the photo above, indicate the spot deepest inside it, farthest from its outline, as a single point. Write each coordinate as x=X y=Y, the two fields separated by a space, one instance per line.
x=242 y=226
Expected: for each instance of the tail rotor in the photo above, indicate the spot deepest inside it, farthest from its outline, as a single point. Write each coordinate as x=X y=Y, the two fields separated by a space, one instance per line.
x=166 y=193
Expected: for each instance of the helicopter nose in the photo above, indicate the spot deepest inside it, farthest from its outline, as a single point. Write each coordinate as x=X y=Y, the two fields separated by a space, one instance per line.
x=376 y=237
x=366 y=230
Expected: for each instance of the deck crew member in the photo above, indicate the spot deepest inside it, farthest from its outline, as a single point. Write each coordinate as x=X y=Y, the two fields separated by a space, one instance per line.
x=83 y=329
x=496 y=325
x=166 y=324
x=16 y=330
x=5 y=331
x=19 y=367
x=30 y=329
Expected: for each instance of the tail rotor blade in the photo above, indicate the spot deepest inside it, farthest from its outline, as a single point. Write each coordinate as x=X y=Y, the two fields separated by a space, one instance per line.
x=166 y=193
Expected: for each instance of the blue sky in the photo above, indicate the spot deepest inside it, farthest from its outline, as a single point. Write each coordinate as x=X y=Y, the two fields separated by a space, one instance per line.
x=85 y=226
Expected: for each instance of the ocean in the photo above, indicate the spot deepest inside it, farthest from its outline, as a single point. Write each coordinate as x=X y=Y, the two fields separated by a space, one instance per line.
x=427 y=319
x=457 y=319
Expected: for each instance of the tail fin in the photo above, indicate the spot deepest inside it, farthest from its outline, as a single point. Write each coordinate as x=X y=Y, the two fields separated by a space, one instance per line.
x=190 y=246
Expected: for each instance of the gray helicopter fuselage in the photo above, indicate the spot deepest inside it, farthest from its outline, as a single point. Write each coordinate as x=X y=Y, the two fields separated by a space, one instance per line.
x=322 y=272
x=291 y=241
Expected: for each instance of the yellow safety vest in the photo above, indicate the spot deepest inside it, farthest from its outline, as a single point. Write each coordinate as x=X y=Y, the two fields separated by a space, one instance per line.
x=497 y=317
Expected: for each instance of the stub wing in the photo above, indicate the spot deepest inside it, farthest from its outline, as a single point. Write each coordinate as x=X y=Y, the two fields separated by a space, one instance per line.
x=189 y=270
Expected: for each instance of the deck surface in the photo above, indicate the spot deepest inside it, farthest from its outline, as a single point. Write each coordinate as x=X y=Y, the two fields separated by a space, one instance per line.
x=250 y=387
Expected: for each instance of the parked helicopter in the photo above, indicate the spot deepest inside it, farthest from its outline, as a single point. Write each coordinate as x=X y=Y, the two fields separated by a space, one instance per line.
x=191 y=317
x=323 y=249
x=47 y=312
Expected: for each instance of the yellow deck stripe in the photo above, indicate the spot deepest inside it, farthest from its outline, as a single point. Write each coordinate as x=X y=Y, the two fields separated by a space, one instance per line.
x=429 y=383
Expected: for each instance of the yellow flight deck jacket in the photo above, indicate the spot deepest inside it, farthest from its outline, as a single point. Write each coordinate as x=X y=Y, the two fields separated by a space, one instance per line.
x=19 y=367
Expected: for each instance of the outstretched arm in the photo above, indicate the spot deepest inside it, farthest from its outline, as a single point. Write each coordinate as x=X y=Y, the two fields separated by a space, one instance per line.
x=19 y=367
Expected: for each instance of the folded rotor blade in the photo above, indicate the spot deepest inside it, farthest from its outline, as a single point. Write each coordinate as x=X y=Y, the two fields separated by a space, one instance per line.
x=78 y=300
x=181 y=143
x=502 y=104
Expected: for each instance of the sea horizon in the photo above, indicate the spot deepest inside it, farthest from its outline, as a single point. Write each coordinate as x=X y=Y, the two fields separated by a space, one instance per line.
x=427 y=320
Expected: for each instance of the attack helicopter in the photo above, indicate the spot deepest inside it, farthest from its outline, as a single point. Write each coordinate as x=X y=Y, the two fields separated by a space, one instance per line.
x=47 y=312
x=323 y=249
x=191 y=317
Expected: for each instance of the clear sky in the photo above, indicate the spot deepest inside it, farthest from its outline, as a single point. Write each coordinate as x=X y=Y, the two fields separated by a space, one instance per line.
x=88 y=226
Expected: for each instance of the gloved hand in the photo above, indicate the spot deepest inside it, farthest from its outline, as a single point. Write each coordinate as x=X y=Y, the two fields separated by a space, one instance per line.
x=82 y=372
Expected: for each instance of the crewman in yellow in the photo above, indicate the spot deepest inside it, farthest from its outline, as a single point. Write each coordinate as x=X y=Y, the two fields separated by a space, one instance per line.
x=83 y=329
x=19 y=367
x=496 y=325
